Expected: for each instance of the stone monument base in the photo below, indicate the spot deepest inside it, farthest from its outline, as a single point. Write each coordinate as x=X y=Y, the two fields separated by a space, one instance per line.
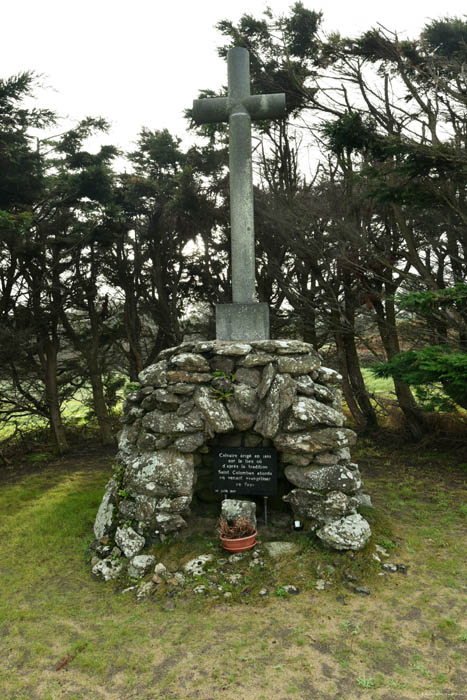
x=243 y=322
x=270 y=393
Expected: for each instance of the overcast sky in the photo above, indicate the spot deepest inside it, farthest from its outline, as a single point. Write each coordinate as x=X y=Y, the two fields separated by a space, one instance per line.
x=141 y=62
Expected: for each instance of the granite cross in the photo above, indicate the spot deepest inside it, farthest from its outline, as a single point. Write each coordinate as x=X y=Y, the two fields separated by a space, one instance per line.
x=245 y=319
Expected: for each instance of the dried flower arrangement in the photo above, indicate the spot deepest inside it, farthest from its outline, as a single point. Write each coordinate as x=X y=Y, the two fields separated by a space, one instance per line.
x=234 y=529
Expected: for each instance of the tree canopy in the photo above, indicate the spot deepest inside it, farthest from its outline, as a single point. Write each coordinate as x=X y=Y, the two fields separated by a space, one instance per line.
x=363 y=253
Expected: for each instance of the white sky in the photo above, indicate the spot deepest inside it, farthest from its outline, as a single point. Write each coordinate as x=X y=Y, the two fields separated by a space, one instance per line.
x=141 y=63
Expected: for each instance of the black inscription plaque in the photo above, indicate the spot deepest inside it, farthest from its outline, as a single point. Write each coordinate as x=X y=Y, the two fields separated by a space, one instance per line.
x=245 y=470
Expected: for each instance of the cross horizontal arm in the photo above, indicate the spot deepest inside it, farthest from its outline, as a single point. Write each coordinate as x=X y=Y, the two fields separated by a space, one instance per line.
x=211 y=109
x=265 y=106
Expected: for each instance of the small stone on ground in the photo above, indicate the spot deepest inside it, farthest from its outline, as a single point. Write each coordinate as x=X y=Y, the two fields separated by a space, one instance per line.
x=291 y=590
x=362 y=590
x=392 y=568
x=145 y=590
x=278 y=550
x=196 y=566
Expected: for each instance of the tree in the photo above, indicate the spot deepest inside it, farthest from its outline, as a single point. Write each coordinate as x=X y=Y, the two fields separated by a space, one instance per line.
x=29 y=311
x=79 y=186
x=444 y=365
x=165 y=205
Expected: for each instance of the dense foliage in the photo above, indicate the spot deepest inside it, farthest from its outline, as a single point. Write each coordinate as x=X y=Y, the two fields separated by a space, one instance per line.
x=431 y=365
x=101 y=269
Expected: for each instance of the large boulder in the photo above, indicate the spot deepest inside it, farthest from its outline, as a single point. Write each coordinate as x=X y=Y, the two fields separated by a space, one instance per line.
x=326 y=375
x=315 y=441
x=162 y=473
x=351 y=532
x=154 y=375
x=299 y=364
x=108 y=568
x=332 y=478
x=190 y=361
x=250 y=377
x=233 y=508
x=126 y=439
x=164 y=399
x=105 y=518
x=160 y=422
x=140 y=564
x=231 y=349
x=129 y=541
x=276 y=403
x=242 y=407
x=215 y=414
x=267 y=377
x=307 y=412
x=256 y=359
x=147 y=442
x=312 y=505
x=305 y=385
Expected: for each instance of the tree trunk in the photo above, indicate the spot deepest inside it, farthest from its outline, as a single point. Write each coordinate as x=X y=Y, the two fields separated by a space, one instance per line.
x=89 y=348
x=386 y=320
x=354 y=409
x=53 y=402
x=99 y=404
x=133 y=334
x=309 y=327
x=412 y=414
x=356 y=380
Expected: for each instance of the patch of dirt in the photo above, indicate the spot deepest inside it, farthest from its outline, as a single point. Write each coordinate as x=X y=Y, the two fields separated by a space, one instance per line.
x=412 y=614
x=322 y=647
x=327 y=671
x=90 y=455
x=449 y=475
x=442 y=459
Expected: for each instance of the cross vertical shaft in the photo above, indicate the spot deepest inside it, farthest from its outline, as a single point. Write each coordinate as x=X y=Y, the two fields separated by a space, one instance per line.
x=241 y=180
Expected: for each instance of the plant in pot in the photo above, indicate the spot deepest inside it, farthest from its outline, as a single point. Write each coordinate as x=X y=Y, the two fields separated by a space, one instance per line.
x=237 y=535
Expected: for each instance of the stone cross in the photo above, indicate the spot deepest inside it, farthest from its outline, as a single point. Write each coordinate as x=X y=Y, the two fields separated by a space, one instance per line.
x=245 y=319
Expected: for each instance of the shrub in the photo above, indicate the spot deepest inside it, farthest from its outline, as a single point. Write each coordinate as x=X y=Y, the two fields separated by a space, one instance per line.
x=430 y=366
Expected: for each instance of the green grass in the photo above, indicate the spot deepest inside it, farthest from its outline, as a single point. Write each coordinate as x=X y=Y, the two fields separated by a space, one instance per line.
x=74 y=411
x=378 y=385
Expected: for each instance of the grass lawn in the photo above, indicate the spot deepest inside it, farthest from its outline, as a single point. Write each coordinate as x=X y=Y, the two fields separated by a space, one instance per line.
x=378 y=385
x=65 y=635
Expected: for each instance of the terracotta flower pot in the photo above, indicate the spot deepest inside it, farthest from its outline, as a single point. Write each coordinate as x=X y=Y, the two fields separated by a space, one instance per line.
x=240 y=544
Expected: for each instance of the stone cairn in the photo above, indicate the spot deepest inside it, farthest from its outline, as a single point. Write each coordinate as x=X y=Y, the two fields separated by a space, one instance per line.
x=268 y=392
